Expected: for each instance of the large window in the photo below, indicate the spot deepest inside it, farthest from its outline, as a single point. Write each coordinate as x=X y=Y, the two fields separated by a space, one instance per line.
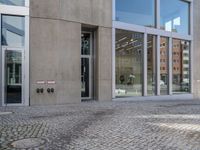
x=181 y=66
x=13 y=31
x=13 y=2
x=150 y=62
x=129 y=63
x=140 y=12
x=151 y=65
x=164 y=66
x=174 y=16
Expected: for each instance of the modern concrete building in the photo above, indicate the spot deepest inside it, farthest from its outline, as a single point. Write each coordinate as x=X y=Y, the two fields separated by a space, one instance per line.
x=67 y=51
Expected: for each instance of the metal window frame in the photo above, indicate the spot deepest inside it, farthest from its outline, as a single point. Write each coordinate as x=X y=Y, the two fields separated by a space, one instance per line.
x=145 y=67
x=159 y=33
x=17 y=11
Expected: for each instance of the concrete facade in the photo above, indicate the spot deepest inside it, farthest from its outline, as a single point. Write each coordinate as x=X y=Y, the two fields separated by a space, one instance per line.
x=55 y=48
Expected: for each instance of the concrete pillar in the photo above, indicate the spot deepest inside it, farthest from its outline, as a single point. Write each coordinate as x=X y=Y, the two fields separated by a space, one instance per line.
x=104 y=58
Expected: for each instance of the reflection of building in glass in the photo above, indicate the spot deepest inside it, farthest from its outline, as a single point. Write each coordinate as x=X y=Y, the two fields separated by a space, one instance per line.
x=177 y=61
x=151 y=64
x=185 y=61
x=180 y=65
x=13 y=30
x=164 y=60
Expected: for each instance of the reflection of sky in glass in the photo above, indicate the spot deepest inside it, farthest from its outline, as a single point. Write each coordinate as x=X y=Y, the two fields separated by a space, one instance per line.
x=141 y=12
x=174 y=16
x=13 y=2
x=12 y=31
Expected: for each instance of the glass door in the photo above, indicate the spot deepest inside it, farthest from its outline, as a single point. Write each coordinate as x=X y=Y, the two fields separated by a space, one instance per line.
x=86 y=65
x=13 y=74
x=85 y=77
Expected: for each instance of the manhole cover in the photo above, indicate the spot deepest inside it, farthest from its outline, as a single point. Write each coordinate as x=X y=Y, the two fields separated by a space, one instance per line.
x=5 y=113
x=28 y=143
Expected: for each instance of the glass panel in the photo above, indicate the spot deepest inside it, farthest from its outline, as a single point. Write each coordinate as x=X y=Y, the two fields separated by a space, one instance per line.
x=13 y=2
x=151 y=65
x=181 y=66
x=129 y=63
x=12 y=31
x=164 y=71
x=140 y=12
x=174 y=16
x=85 y=46
x=13 y=77
x=85 y=82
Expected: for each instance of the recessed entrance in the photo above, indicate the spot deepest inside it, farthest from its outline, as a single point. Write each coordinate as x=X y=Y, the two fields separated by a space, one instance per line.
x=86 y=65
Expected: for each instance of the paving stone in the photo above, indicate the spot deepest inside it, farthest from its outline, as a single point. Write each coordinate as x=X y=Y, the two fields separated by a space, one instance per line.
x=152 y=125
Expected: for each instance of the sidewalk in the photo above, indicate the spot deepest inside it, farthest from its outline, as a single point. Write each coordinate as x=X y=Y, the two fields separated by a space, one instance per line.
x=155 y=125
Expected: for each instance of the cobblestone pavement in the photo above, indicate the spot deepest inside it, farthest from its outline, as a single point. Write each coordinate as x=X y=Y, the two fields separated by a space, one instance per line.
x=152 y=125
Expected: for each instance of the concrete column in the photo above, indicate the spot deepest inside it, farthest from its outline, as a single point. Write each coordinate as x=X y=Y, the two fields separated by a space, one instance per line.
x=104 y=61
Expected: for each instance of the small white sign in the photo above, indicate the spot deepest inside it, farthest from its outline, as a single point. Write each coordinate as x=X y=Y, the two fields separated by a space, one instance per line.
x=51 y=82
x=40 y=82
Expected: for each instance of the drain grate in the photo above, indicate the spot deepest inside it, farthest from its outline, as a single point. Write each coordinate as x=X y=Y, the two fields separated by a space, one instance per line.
x=28 y=143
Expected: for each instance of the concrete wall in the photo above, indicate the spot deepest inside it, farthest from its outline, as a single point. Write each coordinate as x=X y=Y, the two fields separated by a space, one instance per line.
x=196 y=50
x=104 y=64
x=55 y=43
x=91 y=12
x=55 y=55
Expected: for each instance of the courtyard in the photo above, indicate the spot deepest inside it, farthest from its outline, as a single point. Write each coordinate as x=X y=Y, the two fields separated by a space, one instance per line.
x=138 y=125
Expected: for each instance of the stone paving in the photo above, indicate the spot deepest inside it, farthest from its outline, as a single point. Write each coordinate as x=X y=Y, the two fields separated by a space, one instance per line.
x=150 y=125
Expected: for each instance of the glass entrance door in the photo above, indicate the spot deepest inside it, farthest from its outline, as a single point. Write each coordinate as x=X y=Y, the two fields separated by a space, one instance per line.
x=86 y=65
x=12 y=76
x=85 y=77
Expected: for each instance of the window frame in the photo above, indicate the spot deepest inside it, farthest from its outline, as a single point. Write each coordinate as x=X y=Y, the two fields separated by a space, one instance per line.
x=11 y=10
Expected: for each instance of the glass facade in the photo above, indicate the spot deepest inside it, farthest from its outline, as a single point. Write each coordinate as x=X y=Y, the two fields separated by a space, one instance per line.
x=140 y=12
x=164 y=66
x=13 y=31
x=136 y=73
x=13 y=2
x=12 y=45
x=174 y=16
x=181 y=66
x=151 y=65
x=129 y=63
